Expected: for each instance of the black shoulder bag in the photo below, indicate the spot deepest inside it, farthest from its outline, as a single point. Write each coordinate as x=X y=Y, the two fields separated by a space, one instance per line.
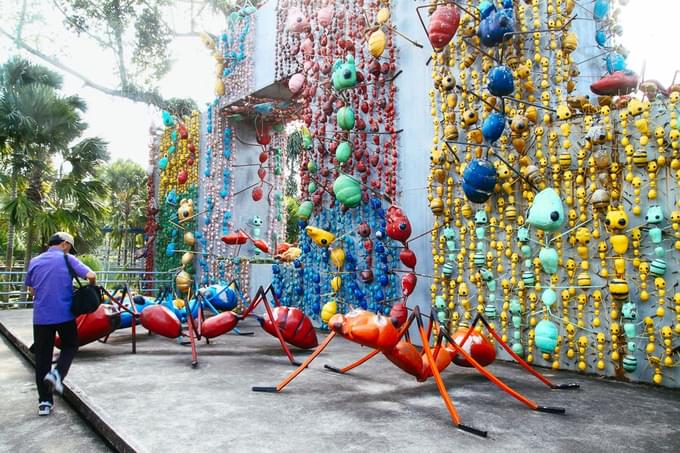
x=86 y=298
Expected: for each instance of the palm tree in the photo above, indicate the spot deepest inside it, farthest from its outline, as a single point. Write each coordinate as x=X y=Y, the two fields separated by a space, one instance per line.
x=17 y=129
x=35 y=122
x=127 y=183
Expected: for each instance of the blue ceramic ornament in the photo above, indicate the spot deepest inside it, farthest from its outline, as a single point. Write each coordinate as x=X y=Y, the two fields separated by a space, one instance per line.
x=501 y=82
x=479 y=180
x=600 y=9
x=615 y=62
x=547 y=211
x=495 y=24
x=493 y=127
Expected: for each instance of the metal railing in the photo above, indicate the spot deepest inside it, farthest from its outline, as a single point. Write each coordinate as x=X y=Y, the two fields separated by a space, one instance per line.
x=13 y=292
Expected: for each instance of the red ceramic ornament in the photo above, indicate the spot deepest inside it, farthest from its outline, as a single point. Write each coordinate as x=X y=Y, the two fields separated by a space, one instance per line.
x=615 y=84
x=443 y=25
x=182 y=177
x=236 y=238
x=260 y=244
x=262 y=134
x=366 y=275
x=398 y=225
x=399 y=314
x=261 y=173
x=408 y=283
x=257 y=193
x=476 y=345
x=408 y=258
x=263 y=157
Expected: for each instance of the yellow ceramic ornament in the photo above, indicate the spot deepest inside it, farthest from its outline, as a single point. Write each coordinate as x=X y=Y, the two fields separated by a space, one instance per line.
x=338 y=257
x=328 y=310
x=322 y=238
x=376 y=43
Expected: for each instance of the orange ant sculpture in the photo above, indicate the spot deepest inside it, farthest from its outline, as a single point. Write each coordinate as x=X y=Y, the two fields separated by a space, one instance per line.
x=384 y=335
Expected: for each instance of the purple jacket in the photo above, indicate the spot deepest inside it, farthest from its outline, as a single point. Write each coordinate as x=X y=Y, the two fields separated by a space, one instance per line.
x=50 y=278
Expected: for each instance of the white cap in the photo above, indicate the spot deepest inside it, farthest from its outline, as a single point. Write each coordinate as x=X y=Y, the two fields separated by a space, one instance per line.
x=62 y=236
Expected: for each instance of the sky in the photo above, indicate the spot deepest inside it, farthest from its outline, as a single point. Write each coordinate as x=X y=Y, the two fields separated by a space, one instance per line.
x=648 y=25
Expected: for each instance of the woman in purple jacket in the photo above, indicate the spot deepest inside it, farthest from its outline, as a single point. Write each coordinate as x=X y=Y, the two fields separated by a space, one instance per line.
x=49 y=281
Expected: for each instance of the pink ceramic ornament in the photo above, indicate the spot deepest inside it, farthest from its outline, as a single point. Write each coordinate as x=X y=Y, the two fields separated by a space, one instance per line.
x=297 y=22
x=325 y=16
x=296 y=83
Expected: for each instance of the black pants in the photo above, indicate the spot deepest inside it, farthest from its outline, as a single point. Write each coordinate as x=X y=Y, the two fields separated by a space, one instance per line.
x=43 y=342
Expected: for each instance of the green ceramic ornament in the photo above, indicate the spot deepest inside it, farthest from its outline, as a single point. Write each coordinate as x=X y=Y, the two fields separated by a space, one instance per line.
x=518 y=349
x=311 y=187
x=343 y=152
x=279 y=127
x=311 y=167
x=304 y=211
x=549 y=297
x=549 y=259
x=546 y=336
x=547 y=211
x=347 y=191
x=345 y=118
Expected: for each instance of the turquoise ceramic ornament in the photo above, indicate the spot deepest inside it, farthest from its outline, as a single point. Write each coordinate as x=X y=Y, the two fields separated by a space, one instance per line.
x=549 y=260
x=163 y=163
x=343 y=152
x=547 y=211
x=304 y=211
x=347 y=191
x=344 y=74
x=549 y=297
x=345 y=118
x=167 y=119
x=546 y=336
x=654 y=214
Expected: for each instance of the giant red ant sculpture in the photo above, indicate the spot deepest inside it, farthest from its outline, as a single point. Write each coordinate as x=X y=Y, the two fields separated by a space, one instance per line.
x=385 y=335
x=288 y=324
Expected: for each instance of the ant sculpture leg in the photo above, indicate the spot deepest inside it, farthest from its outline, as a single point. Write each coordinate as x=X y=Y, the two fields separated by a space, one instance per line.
x=194 y=332
x=299 y=369
x=514 y=355
x=316 y=353
x=490 y=376
x=455 y=418
x=261 y=296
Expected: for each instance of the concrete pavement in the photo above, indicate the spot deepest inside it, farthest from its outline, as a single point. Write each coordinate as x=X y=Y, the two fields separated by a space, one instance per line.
x=156 y=399
x=21 y=429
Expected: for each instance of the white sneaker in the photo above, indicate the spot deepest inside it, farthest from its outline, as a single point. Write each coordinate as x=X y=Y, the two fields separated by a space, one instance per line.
x=53 y=381
x=44 y=408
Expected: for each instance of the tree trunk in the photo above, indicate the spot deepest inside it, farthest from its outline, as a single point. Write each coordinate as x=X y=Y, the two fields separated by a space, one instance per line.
x=34 y=193
x=30 y=239
x=9 y=256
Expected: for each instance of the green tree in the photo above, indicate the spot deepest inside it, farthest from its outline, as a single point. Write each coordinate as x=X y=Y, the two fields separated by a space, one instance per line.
x=127 y=202
x=136 y=35
x=36 y=124
x=25 y=88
